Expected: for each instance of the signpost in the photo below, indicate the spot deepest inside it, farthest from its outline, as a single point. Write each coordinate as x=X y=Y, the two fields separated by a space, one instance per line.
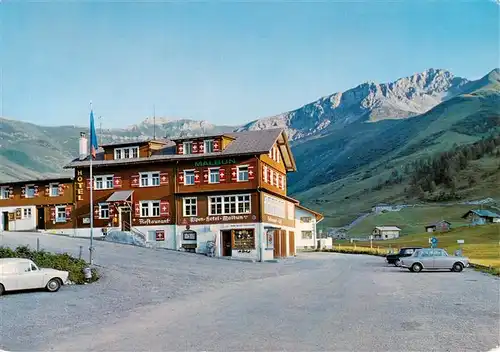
x=458 y=252
x=434 y=242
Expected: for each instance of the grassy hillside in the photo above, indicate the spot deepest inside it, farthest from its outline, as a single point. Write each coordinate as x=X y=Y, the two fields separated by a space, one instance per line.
x=482 y=243
x=412 y=220
x=346 y=172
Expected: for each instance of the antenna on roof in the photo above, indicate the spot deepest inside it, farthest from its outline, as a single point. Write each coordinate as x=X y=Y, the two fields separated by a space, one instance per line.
x=154 y=122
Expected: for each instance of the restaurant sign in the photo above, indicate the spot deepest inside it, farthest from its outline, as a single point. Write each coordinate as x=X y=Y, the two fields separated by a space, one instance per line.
x=154 y=221
x=214 y=162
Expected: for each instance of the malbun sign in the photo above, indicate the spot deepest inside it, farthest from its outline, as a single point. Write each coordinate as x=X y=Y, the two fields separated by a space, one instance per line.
x=214 y=162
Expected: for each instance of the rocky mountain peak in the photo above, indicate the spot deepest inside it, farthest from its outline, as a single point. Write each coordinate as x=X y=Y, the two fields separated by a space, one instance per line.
x=369 y=101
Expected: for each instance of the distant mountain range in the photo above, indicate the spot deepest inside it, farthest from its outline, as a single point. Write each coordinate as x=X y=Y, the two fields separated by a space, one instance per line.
x=372 y=127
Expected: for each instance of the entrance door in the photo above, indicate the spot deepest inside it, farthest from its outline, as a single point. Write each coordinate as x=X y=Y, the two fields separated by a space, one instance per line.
x=227 y=249
x=283 y=243
x=41 y=218
x=5 y=221
x=291 y=243
x=277 y=245
x=125 y=219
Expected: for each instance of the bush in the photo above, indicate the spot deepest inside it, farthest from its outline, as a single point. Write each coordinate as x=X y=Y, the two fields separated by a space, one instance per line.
x=45 y=259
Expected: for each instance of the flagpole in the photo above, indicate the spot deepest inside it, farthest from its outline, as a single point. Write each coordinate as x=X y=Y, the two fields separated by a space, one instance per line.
x=91 y=248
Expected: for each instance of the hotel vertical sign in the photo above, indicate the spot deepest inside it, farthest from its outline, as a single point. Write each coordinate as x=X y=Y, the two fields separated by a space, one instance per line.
x=79 y=185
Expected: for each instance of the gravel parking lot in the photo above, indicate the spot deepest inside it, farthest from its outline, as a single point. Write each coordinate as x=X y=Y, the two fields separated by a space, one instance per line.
x=158 y=300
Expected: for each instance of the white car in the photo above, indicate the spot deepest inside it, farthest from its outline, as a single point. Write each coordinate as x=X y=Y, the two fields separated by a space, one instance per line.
x=22 y=274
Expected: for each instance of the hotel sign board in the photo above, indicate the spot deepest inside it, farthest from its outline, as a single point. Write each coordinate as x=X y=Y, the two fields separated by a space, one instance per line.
x=79 y=185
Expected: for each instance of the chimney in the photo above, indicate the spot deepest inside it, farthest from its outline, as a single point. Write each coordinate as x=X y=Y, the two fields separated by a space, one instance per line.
x=83 y=147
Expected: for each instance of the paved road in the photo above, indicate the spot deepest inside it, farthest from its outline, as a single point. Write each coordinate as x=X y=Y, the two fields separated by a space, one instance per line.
x=158 y=300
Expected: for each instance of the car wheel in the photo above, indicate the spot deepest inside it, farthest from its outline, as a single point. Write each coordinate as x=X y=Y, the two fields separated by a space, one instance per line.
x=397 y=262
x=53 y=285
x=457 y=267
x=2 y=289
x=416 y=268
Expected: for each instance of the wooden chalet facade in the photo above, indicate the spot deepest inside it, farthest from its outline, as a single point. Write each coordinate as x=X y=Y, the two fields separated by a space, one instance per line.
x=229 y=189
x=37 y=204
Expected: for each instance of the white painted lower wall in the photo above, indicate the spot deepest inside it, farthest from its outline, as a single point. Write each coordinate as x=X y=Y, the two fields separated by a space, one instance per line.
x=24 y=224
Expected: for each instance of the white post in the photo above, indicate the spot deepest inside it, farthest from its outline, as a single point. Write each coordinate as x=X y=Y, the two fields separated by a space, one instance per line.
x=91 y=249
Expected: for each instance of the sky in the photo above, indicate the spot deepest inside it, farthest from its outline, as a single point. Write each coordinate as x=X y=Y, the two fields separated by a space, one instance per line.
x=224 y=62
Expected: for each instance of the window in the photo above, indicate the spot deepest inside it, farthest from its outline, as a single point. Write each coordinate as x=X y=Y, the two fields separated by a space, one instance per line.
x=307 y=235
x=26 y=213
x=225 y=205
x=187 y=147
x=189 y=177
x=215 y=207
x=305 y=219
x=291 y=211
x=271 y=175
x=189 y=206
x=60 y=214
x=155 y=208
x=242 y=173
x=103 y=211
x=209 y=146
x=33 y=267
x=30 y=191
x=103 y=182
x=54 y=189
x=127 y=153
x=149 y=179
x=4 y=193
x=150 y=209
x=213 y=176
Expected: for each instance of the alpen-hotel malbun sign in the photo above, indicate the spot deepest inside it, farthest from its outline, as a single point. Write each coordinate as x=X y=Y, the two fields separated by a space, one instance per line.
x=214 y=162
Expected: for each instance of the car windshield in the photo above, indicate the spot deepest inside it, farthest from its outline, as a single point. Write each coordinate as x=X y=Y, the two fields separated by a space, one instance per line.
x=417 y=253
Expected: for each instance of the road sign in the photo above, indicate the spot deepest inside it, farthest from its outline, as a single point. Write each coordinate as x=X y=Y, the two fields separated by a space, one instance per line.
x=434 y=242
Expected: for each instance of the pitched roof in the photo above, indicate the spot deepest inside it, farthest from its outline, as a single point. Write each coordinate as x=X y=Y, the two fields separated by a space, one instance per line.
x=482 y=213
x=437 y=223
x=317 y=215
x=388 y=228
x=42 y=178
x=244 y=143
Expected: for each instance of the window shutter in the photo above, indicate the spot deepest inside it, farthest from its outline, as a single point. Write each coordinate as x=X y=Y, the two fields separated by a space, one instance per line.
x=234 y=173
x=251 y=172
x=134 y=180
x=205 y=175
x=137 y=208
x=36 y=191
x=196 y=176
x=180 y=148
x=201 y=147
x=163 y=178
x=284 y=182
x=180 y=177
x=11 y=192
x=23 y=192
x=195 y=147
x=216 y=145
x=88 y=183
x=164 y=208
x=117 y=182
x=280 y=181
x=275 y=179
x=96 y=212
x=269 y=180
x=53 y=214
x=264 y=174
x=61 y=190
x=68 y=212
x=222 y=174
